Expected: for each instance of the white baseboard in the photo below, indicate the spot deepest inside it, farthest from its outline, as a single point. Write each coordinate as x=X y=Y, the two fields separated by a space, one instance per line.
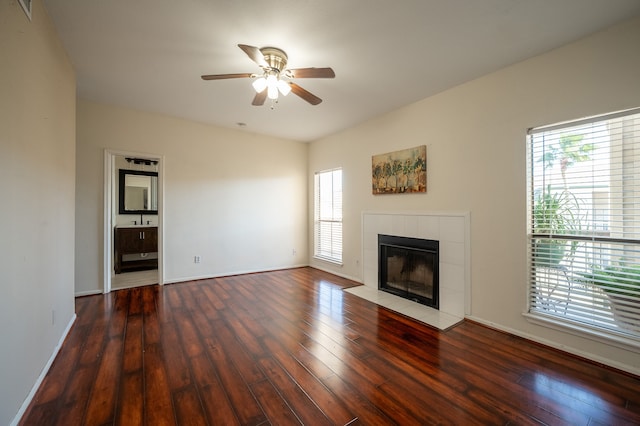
x=229 y=274
x=126 y=287
x=43 y=373
x=87 y=293
x=331 y=271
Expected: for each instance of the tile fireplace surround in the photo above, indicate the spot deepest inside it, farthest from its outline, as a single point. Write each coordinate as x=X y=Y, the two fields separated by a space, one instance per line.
x=452 y=230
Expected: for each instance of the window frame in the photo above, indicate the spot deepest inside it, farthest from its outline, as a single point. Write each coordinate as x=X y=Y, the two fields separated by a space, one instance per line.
x=606 y=334
x=334 y=252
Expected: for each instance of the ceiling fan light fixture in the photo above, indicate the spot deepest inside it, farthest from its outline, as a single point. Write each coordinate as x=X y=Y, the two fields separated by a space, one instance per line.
x=273 y=63
x=272 y=80
x=259 y=84
x=272 y=86
x=284 y=87
x=272 y=92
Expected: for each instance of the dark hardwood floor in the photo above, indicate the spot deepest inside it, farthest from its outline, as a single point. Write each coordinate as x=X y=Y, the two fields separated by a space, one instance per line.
x=290 y=347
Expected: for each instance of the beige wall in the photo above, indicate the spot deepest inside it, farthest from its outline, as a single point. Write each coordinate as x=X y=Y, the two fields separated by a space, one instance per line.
x=236 y=199
x=37 y=168
x=475 y=137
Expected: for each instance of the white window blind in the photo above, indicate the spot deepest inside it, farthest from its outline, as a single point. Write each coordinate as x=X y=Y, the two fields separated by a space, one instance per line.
x=328 y=215
x=584 y=224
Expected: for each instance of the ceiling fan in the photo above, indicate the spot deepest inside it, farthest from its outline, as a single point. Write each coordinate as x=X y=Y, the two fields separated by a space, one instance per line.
x=275 y=76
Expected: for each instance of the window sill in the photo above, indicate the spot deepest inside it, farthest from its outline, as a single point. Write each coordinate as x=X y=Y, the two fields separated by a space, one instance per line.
x=329 y=260
x=613 y=338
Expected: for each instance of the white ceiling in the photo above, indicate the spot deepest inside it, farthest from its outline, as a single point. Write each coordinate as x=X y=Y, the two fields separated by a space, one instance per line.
x=149 y=54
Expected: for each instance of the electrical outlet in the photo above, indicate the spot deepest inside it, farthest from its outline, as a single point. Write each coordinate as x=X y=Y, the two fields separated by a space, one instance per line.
x=293 y=252
x=196 y=259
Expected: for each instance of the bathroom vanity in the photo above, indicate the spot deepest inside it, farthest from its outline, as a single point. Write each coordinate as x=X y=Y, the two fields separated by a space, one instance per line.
x=135 y=248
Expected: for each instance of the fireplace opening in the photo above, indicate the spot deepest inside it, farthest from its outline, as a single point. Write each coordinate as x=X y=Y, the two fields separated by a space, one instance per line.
x=408 y=267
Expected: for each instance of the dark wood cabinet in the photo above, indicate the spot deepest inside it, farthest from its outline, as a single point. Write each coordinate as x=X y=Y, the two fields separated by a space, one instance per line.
x=136 y=241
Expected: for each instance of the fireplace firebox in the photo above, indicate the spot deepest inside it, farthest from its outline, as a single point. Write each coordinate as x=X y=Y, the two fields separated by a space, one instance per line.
x=408 y=267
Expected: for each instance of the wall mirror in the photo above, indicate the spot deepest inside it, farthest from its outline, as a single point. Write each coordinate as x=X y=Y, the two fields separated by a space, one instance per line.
x=138 y=192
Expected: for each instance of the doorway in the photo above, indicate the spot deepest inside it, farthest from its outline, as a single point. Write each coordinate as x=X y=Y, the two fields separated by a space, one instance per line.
x=124 y=266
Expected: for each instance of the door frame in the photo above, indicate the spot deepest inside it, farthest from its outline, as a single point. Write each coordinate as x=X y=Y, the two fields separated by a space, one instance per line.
x=110 y=203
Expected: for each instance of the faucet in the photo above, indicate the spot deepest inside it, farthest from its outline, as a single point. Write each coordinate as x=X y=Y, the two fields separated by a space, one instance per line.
x=141 y=221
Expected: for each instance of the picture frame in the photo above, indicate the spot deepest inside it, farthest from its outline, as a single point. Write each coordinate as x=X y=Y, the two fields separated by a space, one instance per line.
x=400 y=172
x=26 y=6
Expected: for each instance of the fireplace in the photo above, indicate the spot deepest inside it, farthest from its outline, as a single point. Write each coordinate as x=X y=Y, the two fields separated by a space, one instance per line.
x=408 y=267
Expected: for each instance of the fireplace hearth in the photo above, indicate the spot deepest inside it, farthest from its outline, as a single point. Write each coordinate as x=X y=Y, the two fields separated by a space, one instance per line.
x=408 y=267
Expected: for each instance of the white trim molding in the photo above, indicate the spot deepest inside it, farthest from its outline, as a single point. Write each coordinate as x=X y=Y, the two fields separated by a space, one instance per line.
x=43 y=373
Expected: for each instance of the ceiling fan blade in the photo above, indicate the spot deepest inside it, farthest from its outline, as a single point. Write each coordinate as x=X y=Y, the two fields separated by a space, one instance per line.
x=304 y=94
x=259 y=98
x=254 y=54
x=312 y=73
x=226 y=76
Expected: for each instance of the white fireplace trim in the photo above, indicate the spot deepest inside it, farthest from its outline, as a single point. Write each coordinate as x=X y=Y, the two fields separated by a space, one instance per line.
x=452 y=229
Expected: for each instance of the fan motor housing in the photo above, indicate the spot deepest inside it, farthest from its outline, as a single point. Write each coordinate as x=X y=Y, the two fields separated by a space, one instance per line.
x=275 y=57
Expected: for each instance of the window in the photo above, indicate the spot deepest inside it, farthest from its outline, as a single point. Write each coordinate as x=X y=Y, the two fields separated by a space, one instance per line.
x=584 y=225
x=328 y=215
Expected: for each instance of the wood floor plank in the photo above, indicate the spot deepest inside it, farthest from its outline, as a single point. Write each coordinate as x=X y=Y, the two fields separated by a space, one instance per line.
x=326 y=336
x=189 y=338
x=531 y=415
x=215 y=297
x=246 y=365
x=316 y=366
x=299 y=401
x=84 y=307
x=157 y=394
x=559 y=402
x=135 y=301
x=95 y=341
x=244 y=404
x=368 y=413
x=217 y=406
x=291 y=347
x=340 y=361
x=133 y=344
x=331 y=406
x=188 y=408
x=77 y=387
x=249 y=341
x=119 y=313
x=151 y=323
x=186 y=295
x=53 y=384
x=417 y=393
x=175 y=358
x=204 y=305
x=273 y=405
x=174 y=297
x=42 y=414
x=102 y=399
x=131 y=400
x=204 y=373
